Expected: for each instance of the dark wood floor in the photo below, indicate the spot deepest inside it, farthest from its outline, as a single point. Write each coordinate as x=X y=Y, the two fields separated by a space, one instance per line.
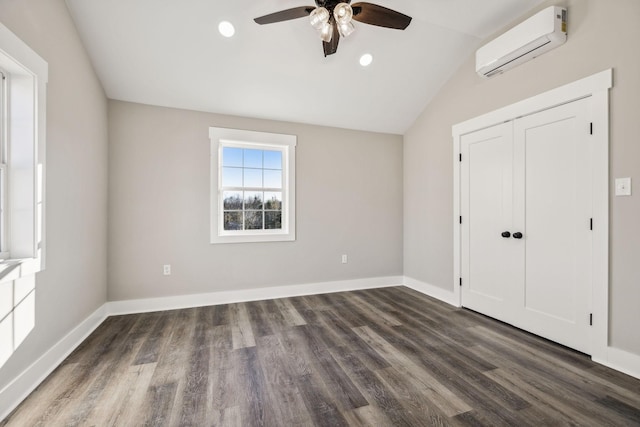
x=384 y=357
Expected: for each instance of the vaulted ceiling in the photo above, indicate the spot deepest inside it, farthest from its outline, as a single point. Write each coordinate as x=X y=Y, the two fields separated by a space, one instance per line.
x=170 y=53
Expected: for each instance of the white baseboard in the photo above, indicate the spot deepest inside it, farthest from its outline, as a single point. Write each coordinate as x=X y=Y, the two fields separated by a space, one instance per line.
x=227 y=297
x=622 y=361
x=432 y=291
x=18 y=389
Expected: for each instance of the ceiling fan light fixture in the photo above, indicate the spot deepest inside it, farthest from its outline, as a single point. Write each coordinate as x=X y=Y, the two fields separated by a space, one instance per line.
x=326 y=32
x=333 y=19
x=319 y=17
x=343 y=13
x=345 y=29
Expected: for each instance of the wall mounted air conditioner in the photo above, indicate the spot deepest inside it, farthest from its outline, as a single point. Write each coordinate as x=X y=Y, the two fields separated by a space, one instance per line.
x=542 y=32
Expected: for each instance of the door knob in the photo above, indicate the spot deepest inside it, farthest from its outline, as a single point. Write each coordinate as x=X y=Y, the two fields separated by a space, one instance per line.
x=506 y=234
x=517 y=235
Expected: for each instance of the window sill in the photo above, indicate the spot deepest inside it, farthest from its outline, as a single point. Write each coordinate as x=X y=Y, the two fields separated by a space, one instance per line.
x=13 y=269
x=253 y=238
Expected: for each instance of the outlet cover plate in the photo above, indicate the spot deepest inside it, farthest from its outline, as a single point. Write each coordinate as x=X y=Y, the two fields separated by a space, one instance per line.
x=623 y=186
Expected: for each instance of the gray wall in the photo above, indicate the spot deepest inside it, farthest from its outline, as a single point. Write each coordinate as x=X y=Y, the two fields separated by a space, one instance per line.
x=349 y=201
x=74 y=282
x=602 y=34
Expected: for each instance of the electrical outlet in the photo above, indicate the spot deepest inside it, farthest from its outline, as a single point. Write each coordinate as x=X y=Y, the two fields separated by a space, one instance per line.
x=166 y=269
x=344 y=258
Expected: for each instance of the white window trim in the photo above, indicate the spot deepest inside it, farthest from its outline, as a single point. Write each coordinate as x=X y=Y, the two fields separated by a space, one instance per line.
x=287 y=145
x=4 y=253
x=27 y=75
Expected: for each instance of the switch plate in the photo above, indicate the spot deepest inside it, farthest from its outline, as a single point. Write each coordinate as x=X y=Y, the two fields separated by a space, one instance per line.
x=344 y=259
x=623 y=186
x=166 y=269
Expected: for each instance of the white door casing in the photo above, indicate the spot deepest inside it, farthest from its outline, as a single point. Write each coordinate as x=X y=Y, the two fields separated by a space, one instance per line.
x=597 y=88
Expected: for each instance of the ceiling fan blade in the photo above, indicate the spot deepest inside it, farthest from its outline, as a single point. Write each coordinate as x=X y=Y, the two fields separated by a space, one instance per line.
x=331 y=47
x=381 y=16
x=285 y=15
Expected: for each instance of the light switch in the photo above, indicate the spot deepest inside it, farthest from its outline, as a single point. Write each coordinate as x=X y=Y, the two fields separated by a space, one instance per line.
x=623 y=186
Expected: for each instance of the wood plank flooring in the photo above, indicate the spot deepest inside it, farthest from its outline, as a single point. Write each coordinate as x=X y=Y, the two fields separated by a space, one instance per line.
x=383 y=357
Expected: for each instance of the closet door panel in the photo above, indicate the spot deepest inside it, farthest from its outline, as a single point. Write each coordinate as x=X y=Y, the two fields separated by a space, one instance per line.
x=489 y=260
x=553 y=203
x=531 y=178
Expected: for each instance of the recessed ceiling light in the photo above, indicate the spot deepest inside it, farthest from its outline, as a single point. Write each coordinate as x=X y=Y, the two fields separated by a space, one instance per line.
x=226 y=29
x=366 y=59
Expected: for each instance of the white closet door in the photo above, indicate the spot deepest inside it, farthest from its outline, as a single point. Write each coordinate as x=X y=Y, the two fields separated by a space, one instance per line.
x=491 y=264
x=530 y=178
x=552 y=202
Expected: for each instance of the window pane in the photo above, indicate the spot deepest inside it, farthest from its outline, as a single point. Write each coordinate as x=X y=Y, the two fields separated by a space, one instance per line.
x=233 y=220
x=232 y=157
x=252 y=200
x=253 y=220
x=272 y=160
x=253 y=178
x=272 y=179
x=273 y=220
x=272 y=201
x=231 y=177
x=232 y=200
x=252 y=158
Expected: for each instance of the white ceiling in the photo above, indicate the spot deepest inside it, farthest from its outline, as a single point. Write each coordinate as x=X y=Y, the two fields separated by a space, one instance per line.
x=169 y=53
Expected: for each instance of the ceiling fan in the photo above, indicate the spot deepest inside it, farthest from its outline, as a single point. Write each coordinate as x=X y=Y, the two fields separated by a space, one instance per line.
x=333 y=18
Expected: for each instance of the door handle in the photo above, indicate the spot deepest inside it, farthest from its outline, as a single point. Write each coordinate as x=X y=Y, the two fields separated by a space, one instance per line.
x=506 y=234
x=517 y=235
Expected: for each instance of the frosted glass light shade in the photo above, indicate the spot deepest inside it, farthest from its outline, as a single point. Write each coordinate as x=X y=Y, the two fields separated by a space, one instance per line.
x=346 y=29
x=318 y=17
x=326 y=32
x=343 y=13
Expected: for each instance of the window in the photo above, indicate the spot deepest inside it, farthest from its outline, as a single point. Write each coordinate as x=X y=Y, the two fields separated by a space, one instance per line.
x=22 y=152
x=22 y=169
x=252 y=186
